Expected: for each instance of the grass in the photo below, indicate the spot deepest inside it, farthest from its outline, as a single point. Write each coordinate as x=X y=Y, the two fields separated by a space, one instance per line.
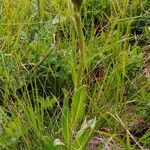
x=74 y=77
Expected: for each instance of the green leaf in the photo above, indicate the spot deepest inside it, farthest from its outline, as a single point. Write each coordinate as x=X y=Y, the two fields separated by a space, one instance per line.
x=48 y=143
x=83 y=135
x=66 y=119
x=86 y=125
x=78 y=105
x=46 y=103
x=81 y=142
x=58 y=142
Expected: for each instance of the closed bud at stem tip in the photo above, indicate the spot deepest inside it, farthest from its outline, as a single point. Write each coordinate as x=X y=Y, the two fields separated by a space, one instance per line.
x=77 y=3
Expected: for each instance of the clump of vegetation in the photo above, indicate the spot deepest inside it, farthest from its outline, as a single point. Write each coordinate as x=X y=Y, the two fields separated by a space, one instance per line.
x=74 y=74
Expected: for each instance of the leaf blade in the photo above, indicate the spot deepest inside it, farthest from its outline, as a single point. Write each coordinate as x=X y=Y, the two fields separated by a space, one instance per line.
x=66 y=119
x=78 y=105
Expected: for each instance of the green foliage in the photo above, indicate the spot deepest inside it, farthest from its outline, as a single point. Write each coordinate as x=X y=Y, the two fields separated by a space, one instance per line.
x=71 y=120
x=83 y=135
x=78 y=105
x=135 y=60
x=66 y=121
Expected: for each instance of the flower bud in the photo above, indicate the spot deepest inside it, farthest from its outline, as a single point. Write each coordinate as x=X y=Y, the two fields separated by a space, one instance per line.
x=77 y=3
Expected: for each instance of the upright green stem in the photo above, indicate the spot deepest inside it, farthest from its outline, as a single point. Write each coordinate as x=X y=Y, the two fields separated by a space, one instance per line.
x=81 y=41
x=77 y=5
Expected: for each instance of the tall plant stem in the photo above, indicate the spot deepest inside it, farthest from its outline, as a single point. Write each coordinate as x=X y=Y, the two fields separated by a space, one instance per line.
x=81 y=42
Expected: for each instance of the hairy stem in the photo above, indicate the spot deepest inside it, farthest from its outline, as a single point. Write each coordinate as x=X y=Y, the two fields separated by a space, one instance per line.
x=81 y=42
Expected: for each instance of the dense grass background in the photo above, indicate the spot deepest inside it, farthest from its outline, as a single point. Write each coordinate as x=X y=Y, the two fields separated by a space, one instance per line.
x=39 y=54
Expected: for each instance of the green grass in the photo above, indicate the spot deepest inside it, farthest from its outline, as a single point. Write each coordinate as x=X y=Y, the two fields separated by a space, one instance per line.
x=74 y=77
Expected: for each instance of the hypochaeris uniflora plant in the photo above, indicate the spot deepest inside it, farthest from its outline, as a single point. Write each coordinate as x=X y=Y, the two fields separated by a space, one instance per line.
x=77 y=138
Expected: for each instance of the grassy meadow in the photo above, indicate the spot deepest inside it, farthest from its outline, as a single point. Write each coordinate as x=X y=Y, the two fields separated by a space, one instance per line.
x=74 y=74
